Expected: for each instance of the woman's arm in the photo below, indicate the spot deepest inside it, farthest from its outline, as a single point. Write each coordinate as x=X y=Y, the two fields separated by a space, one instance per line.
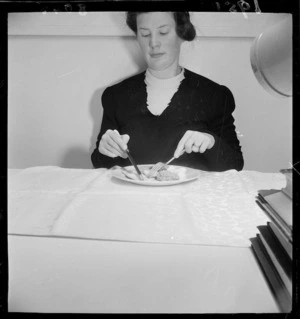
x=108 y=123
x=226 y=152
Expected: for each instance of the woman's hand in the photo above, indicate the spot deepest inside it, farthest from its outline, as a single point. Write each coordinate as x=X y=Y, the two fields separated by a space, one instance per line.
x=113 y=144
x=194 y=141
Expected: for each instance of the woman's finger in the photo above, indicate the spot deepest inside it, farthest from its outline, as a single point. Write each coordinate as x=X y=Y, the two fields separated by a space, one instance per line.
x=198 y=141
x=107 y=146
x=180 y=146
x=116 y=138
x=204 y=146
x=211 y=139
x=111 y=143
x=103 y=150
x=125 y=139
x=195 y=148
x=189 y=144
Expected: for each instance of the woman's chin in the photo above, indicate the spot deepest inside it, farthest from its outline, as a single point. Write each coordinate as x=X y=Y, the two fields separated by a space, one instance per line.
x=156 y=67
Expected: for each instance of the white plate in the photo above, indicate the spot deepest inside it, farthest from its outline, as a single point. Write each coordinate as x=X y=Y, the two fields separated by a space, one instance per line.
x=185 y=175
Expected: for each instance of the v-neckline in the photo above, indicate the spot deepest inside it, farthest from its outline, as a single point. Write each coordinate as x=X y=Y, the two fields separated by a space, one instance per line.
x=171 y=104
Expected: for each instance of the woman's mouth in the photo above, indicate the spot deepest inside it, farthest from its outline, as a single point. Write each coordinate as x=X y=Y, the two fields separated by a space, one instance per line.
x=156 y=55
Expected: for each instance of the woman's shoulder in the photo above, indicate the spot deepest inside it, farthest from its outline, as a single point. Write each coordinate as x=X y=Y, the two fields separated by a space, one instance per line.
x=196 y=80
x=128 y=83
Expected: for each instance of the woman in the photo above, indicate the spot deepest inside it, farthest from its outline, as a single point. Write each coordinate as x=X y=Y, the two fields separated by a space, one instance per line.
x=167 y=110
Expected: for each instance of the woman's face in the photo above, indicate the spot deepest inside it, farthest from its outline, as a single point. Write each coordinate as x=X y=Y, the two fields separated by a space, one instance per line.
x=159 y=42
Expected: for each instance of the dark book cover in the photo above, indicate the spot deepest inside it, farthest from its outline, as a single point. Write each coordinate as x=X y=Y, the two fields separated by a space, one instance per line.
x=278 y=256
x=280 y=203
x=285 y=243
x=275 y=219
x=276 y=284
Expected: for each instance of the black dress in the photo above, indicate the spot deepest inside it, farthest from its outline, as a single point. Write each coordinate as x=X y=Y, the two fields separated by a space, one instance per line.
x=199 y=105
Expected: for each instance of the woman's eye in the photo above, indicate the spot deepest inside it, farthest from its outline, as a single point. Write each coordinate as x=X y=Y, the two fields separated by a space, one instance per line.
x=164 y=33
x=145 y=35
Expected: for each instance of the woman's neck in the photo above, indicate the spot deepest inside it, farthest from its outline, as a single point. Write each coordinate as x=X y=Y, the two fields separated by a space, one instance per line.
x=167 y=73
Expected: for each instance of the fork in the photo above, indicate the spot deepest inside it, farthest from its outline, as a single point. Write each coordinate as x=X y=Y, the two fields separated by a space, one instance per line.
x=160 y=165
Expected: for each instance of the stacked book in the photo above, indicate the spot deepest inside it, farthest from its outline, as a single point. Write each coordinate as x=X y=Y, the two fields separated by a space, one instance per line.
x=273 y=245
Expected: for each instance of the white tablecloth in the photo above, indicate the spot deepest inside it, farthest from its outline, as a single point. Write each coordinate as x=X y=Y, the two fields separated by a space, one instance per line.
x=216 y=209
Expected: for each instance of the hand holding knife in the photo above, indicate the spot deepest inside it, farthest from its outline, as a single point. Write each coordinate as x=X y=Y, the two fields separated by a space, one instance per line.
x=132 y=160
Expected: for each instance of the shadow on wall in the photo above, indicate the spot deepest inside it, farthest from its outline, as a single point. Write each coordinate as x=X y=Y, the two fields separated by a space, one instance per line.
x=77 y=157
x=96 y=112
x=96 y=108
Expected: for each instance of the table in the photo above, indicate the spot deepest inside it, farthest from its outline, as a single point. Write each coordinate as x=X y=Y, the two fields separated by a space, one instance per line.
x=90 y=276
x=94 y=275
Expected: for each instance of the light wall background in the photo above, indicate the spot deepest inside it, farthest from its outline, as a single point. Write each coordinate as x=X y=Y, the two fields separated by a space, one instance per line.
x=59 y=65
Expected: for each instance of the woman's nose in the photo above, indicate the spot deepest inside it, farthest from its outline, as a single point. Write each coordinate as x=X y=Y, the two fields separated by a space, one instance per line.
x=154 y=42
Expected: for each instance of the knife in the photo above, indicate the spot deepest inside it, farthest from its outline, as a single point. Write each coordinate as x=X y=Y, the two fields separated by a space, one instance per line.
x=132 y=161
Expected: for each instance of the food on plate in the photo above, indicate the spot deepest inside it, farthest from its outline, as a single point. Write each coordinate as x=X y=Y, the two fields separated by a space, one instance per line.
x=130 y=175
x=166 y=175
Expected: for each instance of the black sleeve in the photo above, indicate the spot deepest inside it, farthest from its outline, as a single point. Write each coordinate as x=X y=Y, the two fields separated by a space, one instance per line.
x=108 y=122
x=226 y=153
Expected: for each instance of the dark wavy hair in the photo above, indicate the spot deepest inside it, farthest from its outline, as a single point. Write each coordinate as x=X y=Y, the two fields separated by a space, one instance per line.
x=184 y=27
